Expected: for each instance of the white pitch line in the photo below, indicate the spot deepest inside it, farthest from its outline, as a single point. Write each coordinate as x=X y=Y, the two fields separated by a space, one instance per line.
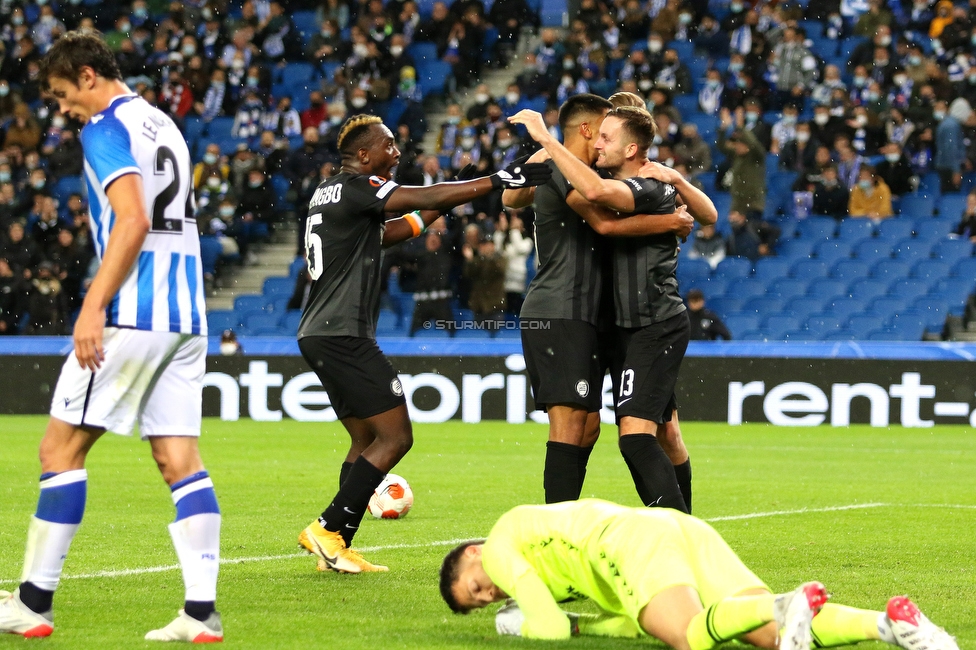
x=448 y=542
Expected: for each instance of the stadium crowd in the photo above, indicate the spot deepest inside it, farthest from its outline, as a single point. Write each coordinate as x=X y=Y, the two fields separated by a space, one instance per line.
x=862 y=99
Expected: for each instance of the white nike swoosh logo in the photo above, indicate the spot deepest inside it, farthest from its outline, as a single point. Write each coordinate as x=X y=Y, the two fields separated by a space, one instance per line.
x=624 y=400
x=352 y=512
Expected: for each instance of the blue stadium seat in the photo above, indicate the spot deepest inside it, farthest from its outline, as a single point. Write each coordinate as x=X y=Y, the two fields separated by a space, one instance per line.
x=891 y=270
x=956 y=291
x=723 y=305
x=930 y=183
x=909 y=290
x=952 y=206
x=254 y=321
x=913 y=251
x=65 y=187
x=866 y=290
x=918 y=205
x=734 y=268
x=843 y=335
x=803 y=307
x=775 y=327
x=826 y=289
x=219 y=128
x=964 y=268
x=861 y=324
x=740 y=323
x=802 y=335
x=297 y=73
x=951 y=251
x=745 y=288
x=692 y=270
x=872 y=251
x=289 y=323
x=844 y=307
x=934 y=228
x=473 y=334
x=306 y=23
x=210 y=251
x=847 y=46
x=707 y=179
x=685 y=49
x=769 y=269
x=809 y=269
x=895 y=228
x=278 y=305
x=222 y=319
x=796 y=249
x=687 y=105
x=553 y=13
x=763 y=306
x=934 y=310
x=932 y=270
x=432 y=334
x=854 y=230
x=908 y=325
x=275 y=287
x=244 y=304
x=714 y=285
x=788 y=288
x=707 y=128
x=850 y=270
x=822 y=325
x=885 y=307
x=296 y=267
x=432 y=77
x=813 y=29
x=832 y=251
x=817 y=228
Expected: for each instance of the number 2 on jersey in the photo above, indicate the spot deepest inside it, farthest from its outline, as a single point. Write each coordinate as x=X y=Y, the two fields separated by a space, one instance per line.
x=160 y=222
x=313 y=246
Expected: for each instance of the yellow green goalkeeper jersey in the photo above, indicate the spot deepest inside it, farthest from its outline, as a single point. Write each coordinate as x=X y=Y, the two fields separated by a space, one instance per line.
x=617 y=557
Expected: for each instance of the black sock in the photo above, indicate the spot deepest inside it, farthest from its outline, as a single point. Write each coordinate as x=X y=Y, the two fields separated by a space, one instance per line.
x=582 y=459
x=199 y=609
x=344 y=471
x=349 y=504
x=36 y=599
x=652 y=469
x=682 y=472
x=561 y=475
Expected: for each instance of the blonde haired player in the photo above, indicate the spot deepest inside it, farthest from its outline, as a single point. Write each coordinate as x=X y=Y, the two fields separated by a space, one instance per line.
x=657 y=572
x=140 y=341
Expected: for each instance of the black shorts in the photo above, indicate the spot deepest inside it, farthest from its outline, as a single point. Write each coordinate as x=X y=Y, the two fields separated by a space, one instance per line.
x=359 y=379
x=651 y=361
x=562 y=359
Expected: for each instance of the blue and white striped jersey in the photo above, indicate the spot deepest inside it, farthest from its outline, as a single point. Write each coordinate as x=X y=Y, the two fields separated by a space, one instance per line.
x=163 y=291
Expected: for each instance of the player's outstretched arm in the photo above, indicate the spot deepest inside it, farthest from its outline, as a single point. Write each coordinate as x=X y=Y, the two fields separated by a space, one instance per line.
x=611 y=224
x=699 y=205
x=128 y=201
x=442 y=196
x=607 y=192
x=408 y=226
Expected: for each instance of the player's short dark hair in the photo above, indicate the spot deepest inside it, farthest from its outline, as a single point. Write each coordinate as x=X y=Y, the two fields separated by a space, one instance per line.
x=579 y=105
x=695 y=295
x=638 y=124
x=74 y=51
x=450 y=570
x=355 y=134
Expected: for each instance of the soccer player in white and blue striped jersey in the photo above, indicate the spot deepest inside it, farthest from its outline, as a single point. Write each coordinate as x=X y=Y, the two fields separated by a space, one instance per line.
x=140 y=341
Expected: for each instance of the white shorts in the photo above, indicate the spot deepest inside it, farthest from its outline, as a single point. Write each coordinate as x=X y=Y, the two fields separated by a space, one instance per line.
x=153 y=378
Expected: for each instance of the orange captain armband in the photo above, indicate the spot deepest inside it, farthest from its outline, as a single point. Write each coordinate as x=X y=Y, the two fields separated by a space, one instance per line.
x=416 y=222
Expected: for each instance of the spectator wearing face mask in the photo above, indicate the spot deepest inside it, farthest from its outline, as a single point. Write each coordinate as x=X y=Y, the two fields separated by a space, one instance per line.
x=895 y=170
x=799 y=154
x=23 y=131
x=710 y=96
x=871 y=197
x=830 y=197
x=692 y=151
x=211 y=165
x=282 y=120
x=450 y=133
x=784 y=131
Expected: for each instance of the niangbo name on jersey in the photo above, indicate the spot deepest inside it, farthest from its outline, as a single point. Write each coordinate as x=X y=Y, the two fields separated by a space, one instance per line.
x=327 y=194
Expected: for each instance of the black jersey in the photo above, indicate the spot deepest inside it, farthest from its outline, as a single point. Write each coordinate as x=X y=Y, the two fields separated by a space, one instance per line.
x=570 y=255
x=644 y=278
x=343 y=242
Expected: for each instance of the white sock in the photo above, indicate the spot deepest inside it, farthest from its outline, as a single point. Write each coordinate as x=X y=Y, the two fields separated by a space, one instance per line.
x=47 y=548
x=197 y=542
x=884 y=630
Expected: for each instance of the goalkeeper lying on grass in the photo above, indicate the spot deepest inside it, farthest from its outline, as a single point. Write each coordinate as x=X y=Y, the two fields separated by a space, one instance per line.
x=653 y=571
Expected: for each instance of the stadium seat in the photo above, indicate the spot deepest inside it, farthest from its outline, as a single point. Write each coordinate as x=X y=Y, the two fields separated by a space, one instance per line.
x=951 y=251
x=964 y=268
x=827 y=289
x=297 y=73
x=861 y=324
x=289 y=323
x=931 y=270
x=255 y=321
x=244 y=304
x=770 y=269
x=844 y=307
x=918 y=205
x=686 y=104
x=908 y=325
x=873 y=251
x=693 y=270
x=297 y=266
x=219 y=128
x=714 y=285
x=276 y=287
x=934 y=228
x=854 y=230
x=432 y=77
x=473 y=334
x=763 y=306
x=803 y=307
x=65 y=187
x=850 y=270
x=788 y=288
x=707 y=129
x=821 y=325
x=956 y=291
x=809 y=269
x=741 y=323
x=723 y=305
x=734 y=268
x=895 y=228
x=210 y=251
x=307 y=24
x=843 y=335
x=913 y=251
x=431 y=334
x=847 y=46
x=885 y=307
x=952 y=206
x=222 y=319
x=890 y=270
x=865 y=290
x=930 y=183
x=934 y=311
x=832 y=251
x=817 y=228
x=775 y=327
x=745 y=288
x=909 y=290
x=796 y=249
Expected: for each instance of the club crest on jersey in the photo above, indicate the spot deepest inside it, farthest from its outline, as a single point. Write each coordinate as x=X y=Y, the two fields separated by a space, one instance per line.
x=582 y=388
x=376 y=181
x=396 y=387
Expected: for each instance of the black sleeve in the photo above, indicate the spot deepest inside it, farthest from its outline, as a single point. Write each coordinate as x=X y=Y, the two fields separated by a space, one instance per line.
x=368 y=194
x=651 y=196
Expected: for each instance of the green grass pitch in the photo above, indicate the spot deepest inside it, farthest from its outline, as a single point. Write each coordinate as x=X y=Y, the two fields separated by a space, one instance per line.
x=870 y=512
